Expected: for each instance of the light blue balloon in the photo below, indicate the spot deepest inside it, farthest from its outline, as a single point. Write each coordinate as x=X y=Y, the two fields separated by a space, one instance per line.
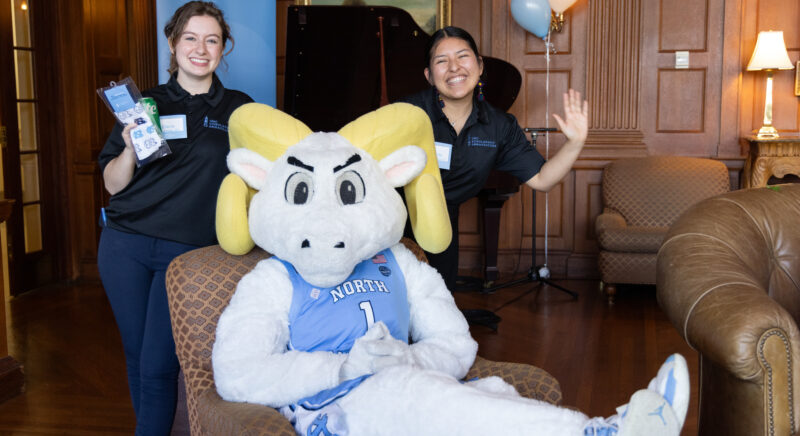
x=532 y=15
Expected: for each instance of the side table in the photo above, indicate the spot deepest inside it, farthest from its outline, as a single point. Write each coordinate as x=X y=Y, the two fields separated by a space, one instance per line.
x=771 y=157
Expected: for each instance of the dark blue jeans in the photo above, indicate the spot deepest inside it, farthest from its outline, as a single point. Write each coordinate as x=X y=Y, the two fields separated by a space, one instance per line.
x=132 y=268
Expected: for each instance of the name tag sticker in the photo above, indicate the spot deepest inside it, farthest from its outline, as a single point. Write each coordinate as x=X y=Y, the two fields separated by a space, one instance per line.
x=173 y=126
x=443 y=153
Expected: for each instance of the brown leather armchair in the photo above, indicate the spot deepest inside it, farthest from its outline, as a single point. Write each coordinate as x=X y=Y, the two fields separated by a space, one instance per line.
x=199 y=285
x=642 y=197
x=729 y=280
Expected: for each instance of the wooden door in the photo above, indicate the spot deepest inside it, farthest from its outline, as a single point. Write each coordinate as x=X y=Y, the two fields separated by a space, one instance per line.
x=29 y=255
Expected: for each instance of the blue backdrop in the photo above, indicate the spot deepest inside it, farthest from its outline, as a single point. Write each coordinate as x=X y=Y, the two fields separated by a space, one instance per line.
x=251 y=65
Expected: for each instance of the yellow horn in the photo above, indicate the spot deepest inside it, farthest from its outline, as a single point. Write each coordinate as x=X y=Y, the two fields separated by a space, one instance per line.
x=397 y=125
x=268 y=132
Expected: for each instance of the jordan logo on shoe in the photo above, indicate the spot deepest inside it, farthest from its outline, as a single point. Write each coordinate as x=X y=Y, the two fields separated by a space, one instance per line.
x=659 y=412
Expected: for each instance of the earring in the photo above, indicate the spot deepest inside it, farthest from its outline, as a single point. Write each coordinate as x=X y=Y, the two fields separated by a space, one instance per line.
x=480 y=90
x=441 y=102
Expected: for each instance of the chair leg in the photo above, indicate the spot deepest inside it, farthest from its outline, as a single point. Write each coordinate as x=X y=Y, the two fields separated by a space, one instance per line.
x=611 y=292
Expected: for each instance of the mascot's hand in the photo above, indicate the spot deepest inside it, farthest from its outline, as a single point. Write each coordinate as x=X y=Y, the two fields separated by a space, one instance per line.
x=376 y=350
x=389 y=352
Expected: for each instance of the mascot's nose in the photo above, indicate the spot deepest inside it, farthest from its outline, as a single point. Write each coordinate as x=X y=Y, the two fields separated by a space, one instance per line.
x=307 y=244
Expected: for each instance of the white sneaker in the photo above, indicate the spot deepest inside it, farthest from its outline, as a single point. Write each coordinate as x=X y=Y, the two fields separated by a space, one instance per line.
x=672 y=383
x=658 y=410
x=649 y=414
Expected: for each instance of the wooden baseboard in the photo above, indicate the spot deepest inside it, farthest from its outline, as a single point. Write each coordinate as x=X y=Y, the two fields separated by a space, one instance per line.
x=12 y=379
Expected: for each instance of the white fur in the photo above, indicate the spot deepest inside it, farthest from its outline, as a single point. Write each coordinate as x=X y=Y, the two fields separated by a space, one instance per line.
x=414 y=388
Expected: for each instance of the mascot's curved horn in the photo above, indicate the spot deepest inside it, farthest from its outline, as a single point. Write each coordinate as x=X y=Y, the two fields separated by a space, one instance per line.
x=385 y=130
x=270 y=132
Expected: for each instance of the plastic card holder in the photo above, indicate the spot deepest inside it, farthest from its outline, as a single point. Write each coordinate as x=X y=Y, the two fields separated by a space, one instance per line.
x=125 y=101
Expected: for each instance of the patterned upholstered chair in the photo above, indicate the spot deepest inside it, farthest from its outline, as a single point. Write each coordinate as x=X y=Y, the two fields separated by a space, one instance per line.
x=642 y=197
x=199 y=285
x=729 y=280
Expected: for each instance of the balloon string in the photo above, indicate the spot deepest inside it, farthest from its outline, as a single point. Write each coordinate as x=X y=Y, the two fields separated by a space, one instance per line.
x=547 y=144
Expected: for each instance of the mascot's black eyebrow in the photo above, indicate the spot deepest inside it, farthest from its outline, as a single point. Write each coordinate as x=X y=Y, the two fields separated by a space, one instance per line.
x=353 y=159
x=298 y=163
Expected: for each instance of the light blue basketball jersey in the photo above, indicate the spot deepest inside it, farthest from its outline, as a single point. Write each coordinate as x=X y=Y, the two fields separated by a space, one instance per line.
x=331 y=319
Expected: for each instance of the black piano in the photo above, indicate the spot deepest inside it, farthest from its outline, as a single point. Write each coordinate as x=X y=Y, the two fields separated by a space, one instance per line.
x=345 y=61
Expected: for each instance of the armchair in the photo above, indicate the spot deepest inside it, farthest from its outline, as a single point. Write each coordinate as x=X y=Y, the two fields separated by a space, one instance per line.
x=729 y=280
x=199 y=285
x=642 y=197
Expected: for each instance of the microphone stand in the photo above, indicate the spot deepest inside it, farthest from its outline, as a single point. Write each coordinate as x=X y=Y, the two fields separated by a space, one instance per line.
x=539 y=275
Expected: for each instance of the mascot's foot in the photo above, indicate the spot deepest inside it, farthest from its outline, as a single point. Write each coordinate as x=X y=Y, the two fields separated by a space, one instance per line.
x=672 y=382
x=659 y=410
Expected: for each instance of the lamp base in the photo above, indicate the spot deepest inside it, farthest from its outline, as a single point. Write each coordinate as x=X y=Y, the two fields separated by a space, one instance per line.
x=767 y=132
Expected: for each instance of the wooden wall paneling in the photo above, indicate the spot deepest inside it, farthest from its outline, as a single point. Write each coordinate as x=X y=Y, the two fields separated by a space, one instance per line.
x=681 y=107
x=680 y=103
x=52 y=168
x=142 y=38
x=588 y=204
x=468 y=14
x=731 y=82
x=73 y=45
x=612 y=79
x=85 y=206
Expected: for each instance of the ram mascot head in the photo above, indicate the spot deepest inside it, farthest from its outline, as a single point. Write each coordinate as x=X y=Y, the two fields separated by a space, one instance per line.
x=326 y=201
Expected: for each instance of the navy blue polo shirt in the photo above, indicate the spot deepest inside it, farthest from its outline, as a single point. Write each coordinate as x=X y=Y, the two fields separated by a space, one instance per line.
x=174 y=197
x=490 y=139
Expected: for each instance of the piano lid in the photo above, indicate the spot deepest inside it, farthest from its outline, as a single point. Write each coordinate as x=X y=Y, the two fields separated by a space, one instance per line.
x=333 y=63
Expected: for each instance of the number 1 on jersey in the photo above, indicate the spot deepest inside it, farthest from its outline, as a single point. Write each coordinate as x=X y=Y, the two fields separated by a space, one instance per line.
x=366 y=306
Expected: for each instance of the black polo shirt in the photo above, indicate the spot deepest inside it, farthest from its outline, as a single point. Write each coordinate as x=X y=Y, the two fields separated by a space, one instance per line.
x=174 y=197
x=490 y=139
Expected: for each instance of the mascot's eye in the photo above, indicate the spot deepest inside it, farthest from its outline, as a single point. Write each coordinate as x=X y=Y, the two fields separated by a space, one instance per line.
x=299 y=188
x=350 y=188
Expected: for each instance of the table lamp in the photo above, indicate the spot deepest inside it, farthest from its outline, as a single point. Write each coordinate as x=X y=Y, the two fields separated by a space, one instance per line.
x=770 y=54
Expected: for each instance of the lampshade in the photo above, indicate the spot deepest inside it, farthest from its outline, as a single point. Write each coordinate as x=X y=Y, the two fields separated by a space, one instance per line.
x=770 y=53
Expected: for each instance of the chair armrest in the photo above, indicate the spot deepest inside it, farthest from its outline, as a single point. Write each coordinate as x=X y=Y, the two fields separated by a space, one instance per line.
x=530 y=381
x=609 y=220
x=722 y=311
x=614 y=234
x=220 y=417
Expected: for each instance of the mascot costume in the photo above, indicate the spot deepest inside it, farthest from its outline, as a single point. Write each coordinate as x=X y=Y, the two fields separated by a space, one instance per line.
x=344 y=330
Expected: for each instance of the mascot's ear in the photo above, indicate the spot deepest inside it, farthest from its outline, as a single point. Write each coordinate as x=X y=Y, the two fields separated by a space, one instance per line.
x=250 y=166
x=396 y=125
x=268 y=132
x=403 y=165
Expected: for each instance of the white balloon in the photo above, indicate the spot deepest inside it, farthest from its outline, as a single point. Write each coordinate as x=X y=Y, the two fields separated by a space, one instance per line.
x=559 y=6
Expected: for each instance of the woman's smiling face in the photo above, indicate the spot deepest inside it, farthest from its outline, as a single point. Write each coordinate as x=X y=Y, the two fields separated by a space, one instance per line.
x=454 y=69
x=198 y=49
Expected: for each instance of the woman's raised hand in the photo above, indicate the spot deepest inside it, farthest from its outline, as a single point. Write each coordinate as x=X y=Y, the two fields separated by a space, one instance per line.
x=575 y=124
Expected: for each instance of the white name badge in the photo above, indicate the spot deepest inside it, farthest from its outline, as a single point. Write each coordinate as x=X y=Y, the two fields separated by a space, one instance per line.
x=443 y=153
x=173 y=126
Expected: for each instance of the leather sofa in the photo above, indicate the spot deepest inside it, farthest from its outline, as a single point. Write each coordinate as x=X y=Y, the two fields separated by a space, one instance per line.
x=728 y=277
